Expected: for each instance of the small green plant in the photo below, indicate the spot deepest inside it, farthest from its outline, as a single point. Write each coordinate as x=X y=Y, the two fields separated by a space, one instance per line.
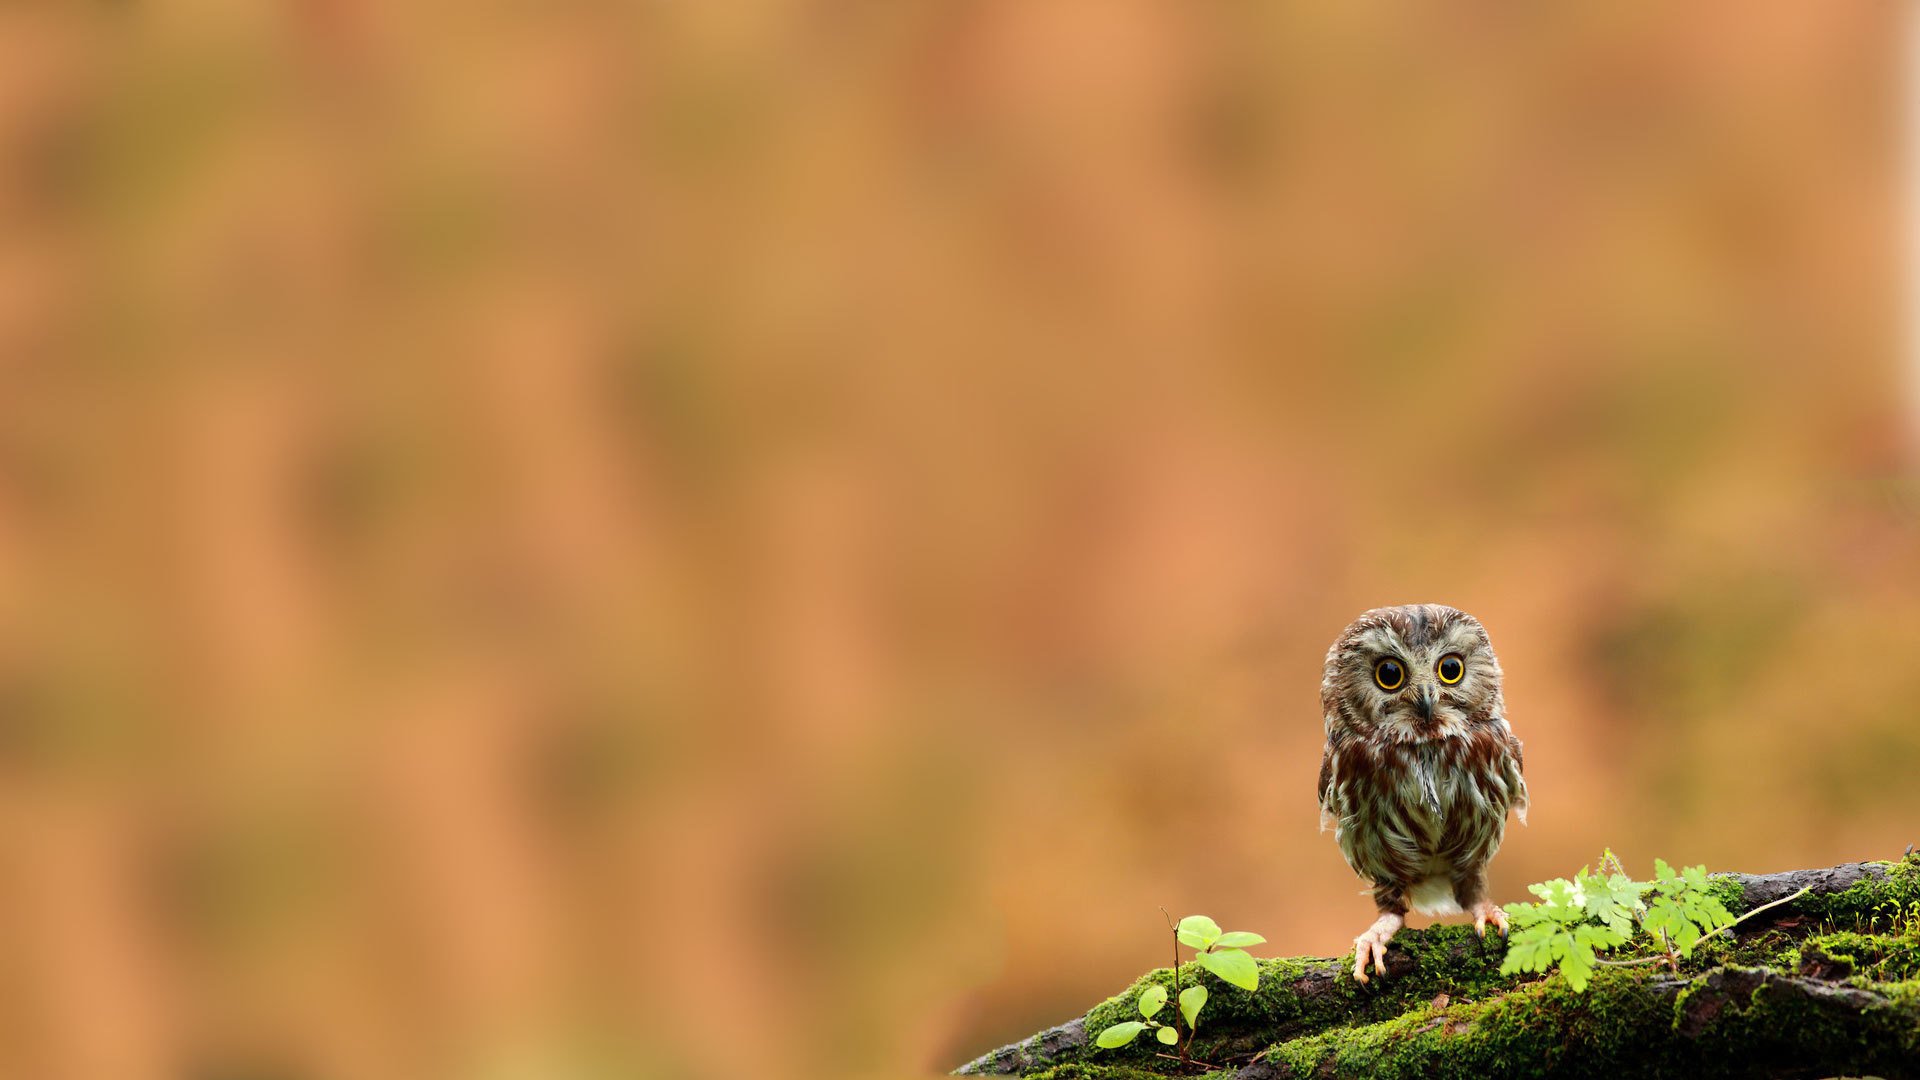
x=1902 y=921
x=1577 y=920
x=1221 y=952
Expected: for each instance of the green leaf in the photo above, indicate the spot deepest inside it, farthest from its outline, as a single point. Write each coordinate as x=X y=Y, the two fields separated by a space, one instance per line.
x=1577 y=920
x=1191 y=999
x=1626 y=892
x=1599 y=938
x=1240 y=939
x=1233 y=966
x=1198 y=932
x=1624 y=886
x=1612 y=900
x=1152 y=998
x=1533 y=948
x=1577 y=966
x=1119 y=1034
x=1701 y=905
x=1525 y=914
x=1666 y=915
x=1167 y=1036
x=1716 y=912
x=1687 y=937
x=1562 y=899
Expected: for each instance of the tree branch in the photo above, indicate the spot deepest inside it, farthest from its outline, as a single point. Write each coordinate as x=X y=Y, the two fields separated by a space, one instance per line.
x=1309 y=1016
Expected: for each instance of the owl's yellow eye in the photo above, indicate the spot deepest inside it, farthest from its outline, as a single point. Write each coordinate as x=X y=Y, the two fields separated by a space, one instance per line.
x=1451 y=669
x=1389 y=674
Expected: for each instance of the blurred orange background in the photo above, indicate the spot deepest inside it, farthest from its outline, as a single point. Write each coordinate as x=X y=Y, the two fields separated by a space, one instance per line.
x=769 y=539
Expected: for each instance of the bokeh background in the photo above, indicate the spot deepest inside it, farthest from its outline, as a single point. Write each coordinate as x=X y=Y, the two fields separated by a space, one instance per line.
x=769 y=538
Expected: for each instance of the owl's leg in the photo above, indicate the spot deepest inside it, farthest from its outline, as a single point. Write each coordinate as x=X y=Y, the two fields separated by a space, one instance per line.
x=1485 y=911
x=1373 y=943
x=1392 y=901
x=1470 y=890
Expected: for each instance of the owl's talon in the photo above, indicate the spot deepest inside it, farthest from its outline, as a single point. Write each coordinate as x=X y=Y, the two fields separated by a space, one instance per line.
x=1485 y=911
x=1373 y=945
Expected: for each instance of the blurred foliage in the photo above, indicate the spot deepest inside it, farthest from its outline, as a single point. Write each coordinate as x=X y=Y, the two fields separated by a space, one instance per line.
x=671 y=539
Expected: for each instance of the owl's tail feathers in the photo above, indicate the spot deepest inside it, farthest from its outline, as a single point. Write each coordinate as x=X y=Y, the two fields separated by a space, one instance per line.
x=1434 y=896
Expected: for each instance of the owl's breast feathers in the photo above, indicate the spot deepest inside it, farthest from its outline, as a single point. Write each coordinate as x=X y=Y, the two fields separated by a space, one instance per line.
x=1405 y=811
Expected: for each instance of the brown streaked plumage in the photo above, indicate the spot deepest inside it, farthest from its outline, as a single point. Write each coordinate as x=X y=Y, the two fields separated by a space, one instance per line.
x=1420 y=767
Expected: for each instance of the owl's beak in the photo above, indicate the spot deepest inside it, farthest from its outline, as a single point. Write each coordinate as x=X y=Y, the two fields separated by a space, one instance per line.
x=1425 y=703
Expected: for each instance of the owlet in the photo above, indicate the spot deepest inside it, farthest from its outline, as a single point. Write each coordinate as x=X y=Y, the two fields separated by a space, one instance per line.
x=1420 y=766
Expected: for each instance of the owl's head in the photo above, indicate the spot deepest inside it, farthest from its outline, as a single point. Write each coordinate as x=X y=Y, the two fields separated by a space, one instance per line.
x=1411 y=674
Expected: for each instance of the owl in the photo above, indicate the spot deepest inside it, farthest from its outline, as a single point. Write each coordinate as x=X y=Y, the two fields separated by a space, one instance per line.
x=1420 y=767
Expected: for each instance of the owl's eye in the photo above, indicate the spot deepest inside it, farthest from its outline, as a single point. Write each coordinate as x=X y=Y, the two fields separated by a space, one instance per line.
x=1389 y=674
x=1451 y=669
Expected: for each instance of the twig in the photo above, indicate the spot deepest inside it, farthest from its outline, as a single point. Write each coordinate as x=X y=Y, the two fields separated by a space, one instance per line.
x=1188 y=1045
x=1661 y=959
x=1804 y=890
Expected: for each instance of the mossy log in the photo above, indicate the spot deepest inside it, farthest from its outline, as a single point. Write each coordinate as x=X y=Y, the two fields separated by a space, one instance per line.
x=1826 y=985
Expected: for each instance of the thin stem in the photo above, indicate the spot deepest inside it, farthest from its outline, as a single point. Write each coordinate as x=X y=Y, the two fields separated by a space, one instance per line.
x=1804 y=890
x=1188 y=1044
x=1184 y=1047
x=1630 y=963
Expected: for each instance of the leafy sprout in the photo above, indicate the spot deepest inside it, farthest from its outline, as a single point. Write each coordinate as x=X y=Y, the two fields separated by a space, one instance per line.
x=1575 y=921
x=1224 y=953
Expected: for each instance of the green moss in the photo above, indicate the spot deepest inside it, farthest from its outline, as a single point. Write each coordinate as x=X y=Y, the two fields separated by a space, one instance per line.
x=1904 y=993
x=1864 y=959
x=1299 y=995
x=1768 y=948
x=1728 y=892
x=1542 y=1028
x=1871 y=904
x=1734 y=1022
x=1775 y=1023
x=1078 y=1071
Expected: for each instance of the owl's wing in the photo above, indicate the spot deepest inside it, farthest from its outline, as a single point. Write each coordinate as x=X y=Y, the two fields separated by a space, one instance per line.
x=1328 y=811
x=1518 y=776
